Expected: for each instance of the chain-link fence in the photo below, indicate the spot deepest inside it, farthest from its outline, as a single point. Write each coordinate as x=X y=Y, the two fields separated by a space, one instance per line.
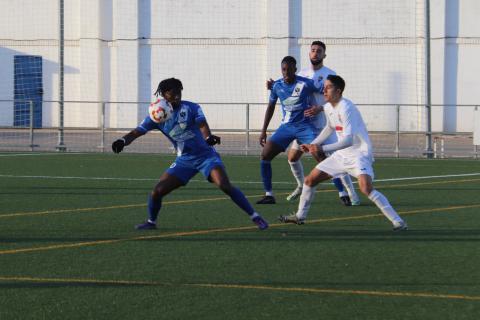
x=92 y=126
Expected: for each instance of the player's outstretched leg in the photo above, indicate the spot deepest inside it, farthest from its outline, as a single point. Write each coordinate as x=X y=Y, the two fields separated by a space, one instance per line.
x=153 y=207
x=382 y=203
x=347 y=183
x=365 y=183
x=220 y=178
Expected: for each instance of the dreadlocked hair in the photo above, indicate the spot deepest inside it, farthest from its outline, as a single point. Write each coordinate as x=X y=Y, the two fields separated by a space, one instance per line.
x=168 y=84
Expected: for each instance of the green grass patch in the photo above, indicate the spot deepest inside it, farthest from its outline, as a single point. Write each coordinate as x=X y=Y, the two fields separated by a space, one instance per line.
x=68 y=249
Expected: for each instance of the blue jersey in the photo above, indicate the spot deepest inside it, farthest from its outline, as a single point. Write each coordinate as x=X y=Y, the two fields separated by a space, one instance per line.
x=293 y=97
x=182 y=130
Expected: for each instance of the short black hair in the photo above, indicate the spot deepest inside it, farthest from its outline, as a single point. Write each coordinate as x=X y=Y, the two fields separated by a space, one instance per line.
x=337 y=81
x=168 y=84
x=319 y=43
x=289 y=60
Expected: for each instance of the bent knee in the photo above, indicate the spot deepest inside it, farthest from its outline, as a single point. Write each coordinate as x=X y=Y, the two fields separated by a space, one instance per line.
x=366 y=190
x=309 y=181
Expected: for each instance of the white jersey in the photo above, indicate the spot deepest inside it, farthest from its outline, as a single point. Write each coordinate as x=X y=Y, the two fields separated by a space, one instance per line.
x=345 y=119
x=318 y=76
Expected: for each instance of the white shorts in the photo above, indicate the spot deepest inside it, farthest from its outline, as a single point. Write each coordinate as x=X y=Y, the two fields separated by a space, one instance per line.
x=336 y=165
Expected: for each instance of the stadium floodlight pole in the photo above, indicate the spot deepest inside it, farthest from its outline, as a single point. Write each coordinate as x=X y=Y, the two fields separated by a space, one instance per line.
x=61 y=47
x=428 y=91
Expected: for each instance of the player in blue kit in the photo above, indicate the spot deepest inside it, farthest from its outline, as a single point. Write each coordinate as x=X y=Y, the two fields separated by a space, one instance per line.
x=293 y=92
x=190 y=134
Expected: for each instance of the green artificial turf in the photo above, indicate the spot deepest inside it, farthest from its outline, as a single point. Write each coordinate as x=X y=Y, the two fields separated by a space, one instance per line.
x=68 y=248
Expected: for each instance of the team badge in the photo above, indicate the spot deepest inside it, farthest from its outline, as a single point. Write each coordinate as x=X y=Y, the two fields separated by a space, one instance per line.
x=182 y=118
x=298 y=89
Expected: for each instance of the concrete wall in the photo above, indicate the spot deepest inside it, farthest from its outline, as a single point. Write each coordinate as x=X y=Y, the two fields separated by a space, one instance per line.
x=223 y=50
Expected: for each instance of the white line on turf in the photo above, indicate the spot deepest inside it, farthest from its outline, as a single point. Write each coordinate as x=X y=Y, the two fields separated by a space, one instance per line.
x=238 y=182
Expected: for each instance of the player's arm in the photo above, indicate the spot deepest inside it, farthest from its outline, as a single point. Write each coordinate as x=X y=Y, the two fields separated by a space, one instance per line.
x=347 y=139
x=210 y=138
x=266 y=121
x=313 y=110
x=269 y=84
x=119 y=144
x=315 y=147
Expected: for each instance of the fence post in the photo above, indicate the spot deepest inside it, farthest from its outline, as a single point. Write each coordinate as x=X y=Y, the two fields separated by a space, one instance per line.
x=247 y=129
x=397 y=142
x=31 y=124
x=102 y=127
x=475 y=131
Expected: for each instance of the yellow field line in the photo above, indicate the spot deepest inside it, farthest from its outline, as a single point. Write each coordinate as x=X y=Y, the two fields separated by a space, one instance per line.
x=35 y=213
x=218 y=230
x=69 y=281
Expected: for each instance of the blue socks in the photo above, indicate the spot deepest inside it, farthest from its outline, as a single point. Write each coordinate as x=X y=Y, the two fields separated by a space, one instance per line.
x=338 y=184
x=153 y=208
x=238 y=197
x=266 y=172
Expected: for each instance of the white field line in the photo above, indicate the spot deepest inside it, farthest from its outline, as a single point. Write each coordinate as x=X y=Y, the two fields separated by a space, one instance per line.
x=235 y=182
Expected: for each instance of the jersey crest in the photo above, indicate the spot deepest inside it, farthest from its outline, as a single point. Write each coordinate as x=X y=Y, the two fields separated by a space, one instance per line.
x=182 y=118
x=298 y=89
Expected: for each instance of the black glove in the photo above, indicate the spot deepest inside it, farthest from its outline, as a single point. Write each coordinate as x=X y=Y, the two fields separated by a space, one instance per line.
x=117 y=145
x=212 y=140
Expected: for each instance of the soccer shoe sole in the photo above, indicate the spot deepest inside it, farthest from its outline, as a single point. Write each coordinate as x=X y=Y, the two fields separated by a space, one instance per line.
x=291 y=219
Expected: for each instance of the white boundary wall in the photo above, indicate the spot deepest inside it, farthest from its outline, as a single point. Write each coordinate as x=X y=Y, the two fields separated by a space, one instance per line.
x=224 y=50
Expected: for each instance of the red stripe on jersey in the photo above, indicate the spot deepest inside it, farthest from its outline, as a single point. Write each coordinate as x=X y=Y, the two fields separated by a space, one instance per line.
x=338 y=128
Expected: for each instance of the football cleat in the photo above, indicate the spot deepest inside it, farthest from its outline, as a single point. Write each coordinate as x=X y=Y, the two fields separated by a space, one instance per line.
x=267 y=200
x=400 y=226
x=346 y=201
x=292 y=218
x=295 y=194
x=260 y=222
x=356 y=203
x=147 y=225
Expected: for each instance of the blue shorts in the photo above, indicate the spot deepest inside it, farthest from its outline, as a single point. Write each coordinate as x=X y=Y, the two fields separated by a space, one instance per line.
x=287 y=132
x=185 y=167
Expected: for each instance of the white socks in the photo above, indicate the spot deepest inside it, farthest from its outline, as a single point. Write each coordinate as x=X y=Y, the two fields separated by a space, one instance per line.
x=306 y=199
x=347 y=183
x=297 y=171
x=382 y=203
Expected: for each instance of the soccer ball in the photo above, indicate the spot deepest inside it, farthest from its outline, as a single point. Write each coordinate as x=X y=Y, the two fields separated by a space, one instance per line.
x=160 y=111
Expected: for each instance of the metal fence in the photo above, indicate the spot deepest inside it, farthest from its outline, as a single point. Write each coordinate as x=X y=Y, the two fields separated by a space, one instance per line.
x=92 y=126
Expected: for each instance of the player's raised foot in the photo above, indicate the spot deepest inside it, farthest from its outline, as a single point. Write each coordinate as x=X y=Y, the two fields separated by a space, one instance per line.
x=147 y=225
x=261 y=223
x=292 y=218
x=267 y=200
x=400 y=226
x=356 y=203
x=295 y=194
x=346 y=201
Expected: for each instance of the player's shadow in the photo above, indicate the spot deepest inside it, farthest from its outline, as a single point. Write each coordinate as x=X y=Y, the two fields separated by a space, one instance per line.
x=79 y=191
x=16 y=284
x=62 y=240
x=314 y=235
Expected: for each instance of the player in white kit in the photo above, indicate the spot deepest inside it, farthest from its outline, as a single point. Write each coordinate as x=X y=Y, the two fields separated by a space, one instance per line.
x=352 y=154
